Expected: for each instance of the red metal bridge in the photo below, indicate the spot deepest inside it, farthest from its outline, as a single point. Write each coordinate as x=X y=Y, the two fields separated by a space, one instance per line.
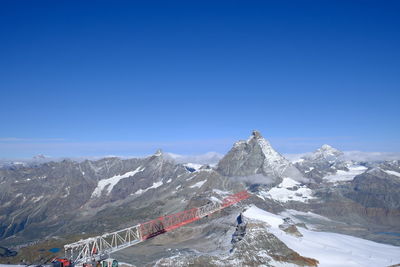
x=99 y=247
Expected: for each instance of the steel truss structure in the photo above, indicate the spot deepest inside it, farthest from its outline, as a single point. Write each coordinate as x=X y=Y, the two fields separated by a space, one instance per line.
x=100 y=247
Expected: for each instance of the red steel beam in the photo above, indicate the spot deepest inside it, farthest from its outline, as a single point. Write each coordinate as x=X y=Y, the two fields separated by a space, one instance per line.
x=170 y=222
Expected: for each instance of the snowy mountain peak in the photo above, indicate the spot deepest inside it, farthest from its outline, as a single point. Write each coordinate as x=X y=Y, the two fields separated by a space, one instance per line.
x=268 y=151
x=328 y=148
x=256 y=134
x=158 y=153
x=256 y=156
x=270 y=154
x=326 y=152
x=40 y=157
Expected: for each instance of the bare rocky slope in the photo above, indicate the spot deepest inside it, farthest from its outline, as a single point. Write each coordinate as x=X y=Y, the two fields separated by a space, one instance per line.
x=68 y=200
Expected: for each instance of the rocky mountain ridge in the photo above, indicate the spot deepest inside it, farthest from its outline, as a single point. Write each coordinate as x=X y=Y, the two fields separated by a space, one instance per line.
x=68 y=199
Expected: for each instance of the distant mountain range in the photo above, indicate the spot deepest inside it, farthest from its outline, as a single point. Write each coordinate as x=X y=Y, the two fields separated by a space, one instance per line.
x=210 y=158
x=325 y=191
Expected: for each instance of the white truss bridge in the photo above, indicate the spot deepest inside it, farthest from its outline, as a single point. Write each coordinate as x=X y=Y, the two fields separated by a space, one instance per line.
x=98 y=248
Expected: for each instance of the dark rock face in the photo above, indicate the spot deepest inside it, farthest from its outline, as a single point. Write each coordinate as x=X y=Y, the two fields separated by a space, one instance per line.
x=44 y=198
x=376 y=189
x=33 y=195
x=5 y=252
x=365 y=206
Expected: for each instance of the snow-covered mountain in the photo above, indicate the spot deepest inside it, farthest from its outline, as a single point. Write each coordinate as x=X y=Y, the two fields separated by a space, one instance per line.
x=327 y=164
x=300 y=214
x=256 y=156
x=325 y=152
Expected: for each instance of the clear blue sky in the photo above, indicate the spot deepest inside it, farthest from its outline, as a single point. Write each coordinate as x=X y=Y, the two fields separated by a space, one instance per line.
x=84 y=78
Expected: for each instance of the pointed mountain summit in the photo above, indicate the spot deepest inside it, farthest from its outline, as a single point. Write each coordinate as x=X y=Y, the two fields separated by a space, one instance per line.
x=158 y=153
x=256 y=156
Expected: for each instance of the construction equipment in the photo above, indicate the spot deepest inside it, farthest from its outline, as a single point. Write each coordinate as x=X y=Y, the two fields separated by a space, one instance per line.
x=97 y=249
x=61 y=262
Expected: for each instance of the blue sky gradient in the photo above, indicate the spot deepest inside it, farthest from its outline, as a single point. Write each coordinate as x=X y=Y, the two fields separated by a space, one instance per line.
x=87 y=78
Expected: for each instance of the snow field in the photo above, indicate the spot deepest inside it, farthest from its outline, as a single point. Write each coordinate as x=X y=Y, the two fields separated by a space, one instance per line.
x=346 y=176
x=330 y=249
x=289 y=190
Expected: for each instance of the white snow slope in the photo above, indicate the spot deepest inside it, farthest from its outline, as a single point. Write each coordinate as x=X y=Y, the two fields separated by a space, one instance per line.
x=346 y=176
x=194 y=166
x=198 y=184
x=393 y=173
x=330 y=249
x=288 y=190
x=109 y=183
x=155 y=185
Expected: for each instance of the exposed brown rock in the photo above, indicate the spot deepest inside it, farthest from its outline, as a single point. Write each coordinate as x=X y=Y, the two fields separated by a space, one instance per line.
x=296 y=259
x=291 y=229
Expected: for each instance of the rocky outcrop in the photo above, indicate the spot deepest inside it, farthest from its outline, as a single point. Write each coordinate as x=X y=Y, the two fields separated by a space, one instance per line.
x=252 y=245
x=5 y=252
x=289 y=227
